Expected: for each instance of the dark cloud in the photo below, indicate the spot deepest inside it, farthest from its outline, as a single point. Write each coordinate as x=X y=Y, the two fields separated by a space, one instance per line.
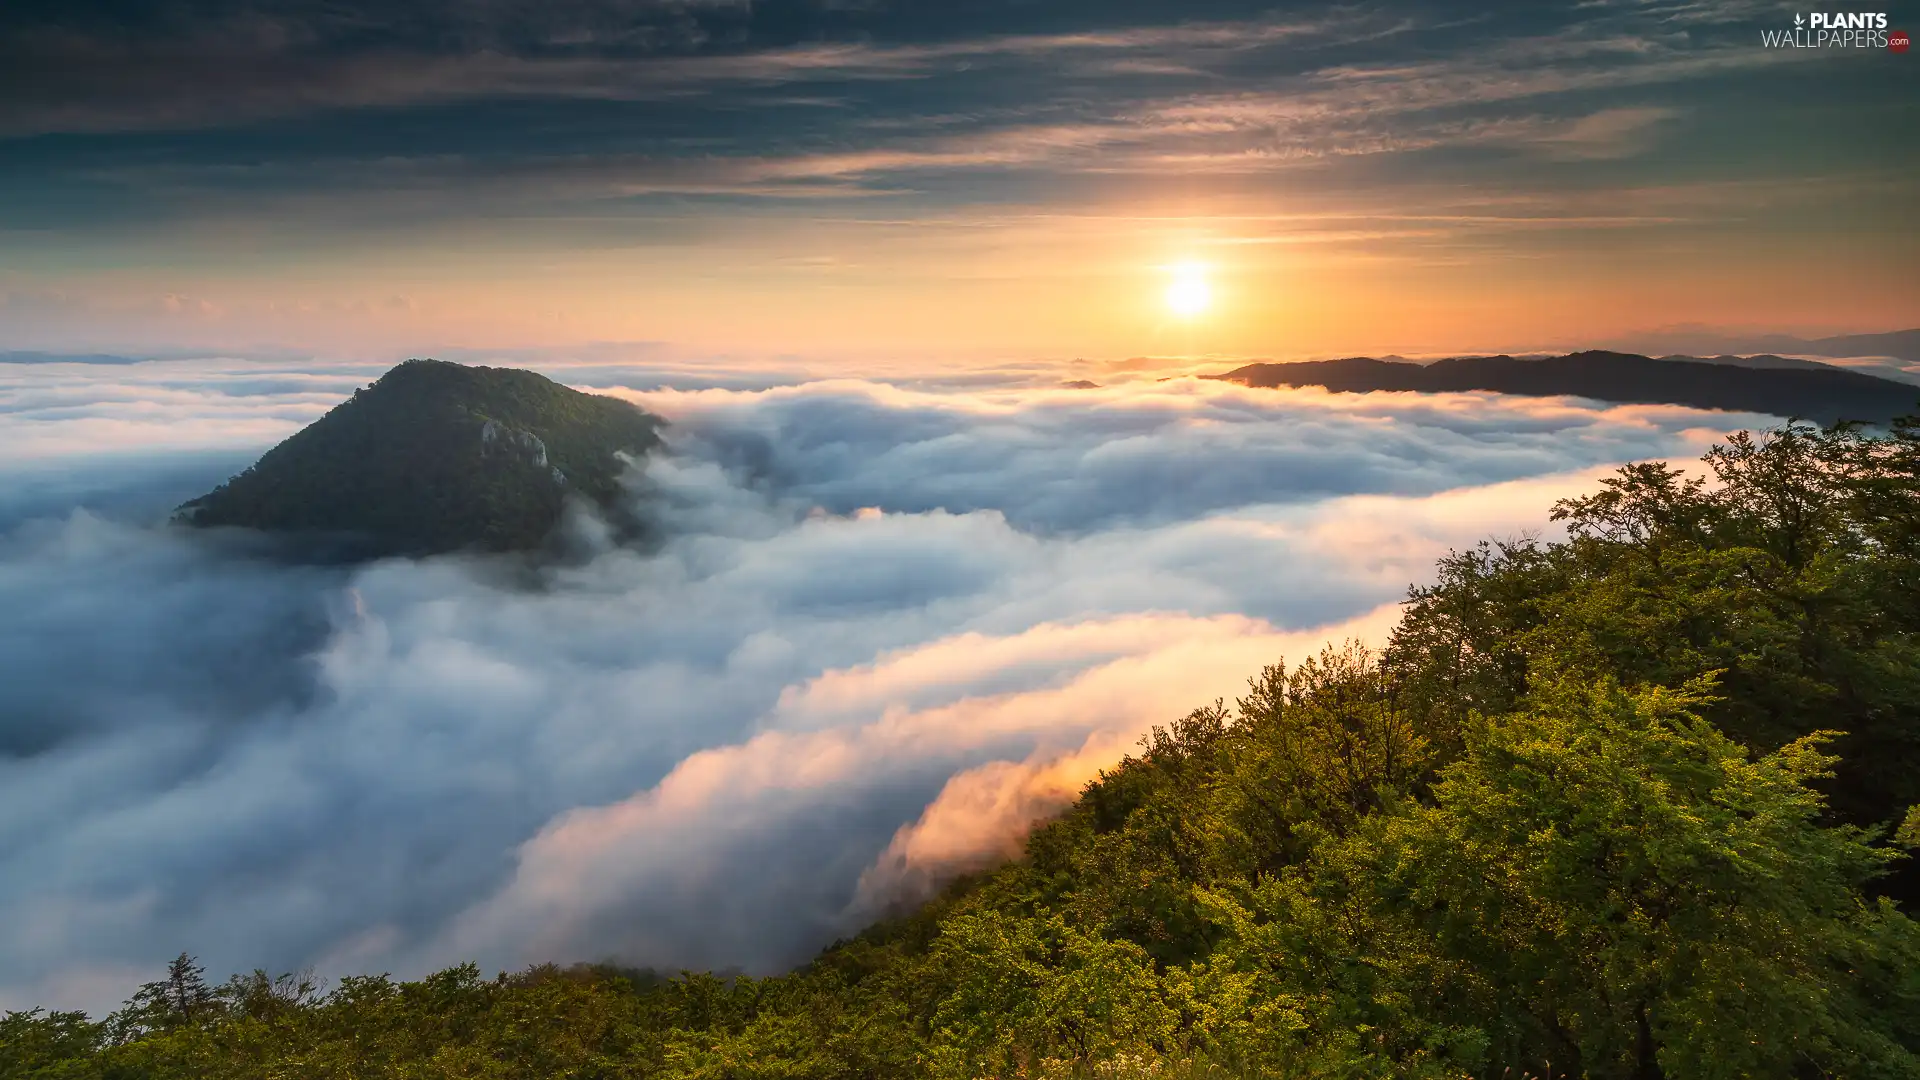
x=871 y=593
x=152 y=114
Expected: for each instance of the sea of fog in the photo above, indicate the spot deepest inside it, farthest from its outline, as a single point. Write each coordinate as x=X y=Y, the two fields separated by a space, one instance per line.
x=890 y=622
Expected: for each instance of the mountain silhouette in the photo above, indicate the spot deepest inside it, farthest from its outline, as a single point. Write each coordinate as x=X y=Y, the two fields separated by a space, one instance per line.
x=1899 y=344
x=1786 y=388
x=437 y=457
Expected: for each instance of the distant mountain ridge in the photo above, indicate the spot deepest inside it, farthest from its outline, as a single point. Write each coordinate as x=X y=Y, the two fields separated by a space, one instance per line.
x=1762 y=360
x=437 y=457
x=1786 y=388
x=1900 y=344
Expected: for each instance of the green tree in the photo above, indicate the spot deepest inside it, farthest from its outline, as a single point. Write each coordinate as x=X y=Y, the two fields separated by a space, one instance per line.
x=1608 y=883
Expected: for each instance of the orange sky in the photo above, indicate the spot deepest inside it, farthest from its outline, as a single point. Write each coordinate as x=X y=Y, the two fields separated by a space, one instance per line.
x=904 y=185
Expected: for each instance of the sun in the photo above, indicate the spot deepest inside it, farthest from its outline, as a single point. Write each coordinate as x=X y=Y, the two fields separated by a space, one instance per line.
x=1188 y=294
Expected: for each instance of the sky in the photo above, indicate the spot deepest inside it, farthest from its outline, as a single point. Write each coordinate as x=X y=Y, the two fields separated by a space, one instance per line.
x=865 y=181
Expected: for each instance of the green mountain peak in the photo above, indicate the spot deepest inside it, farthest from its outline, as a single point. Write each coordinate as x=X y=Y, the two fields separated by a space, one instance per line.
x=437 y=457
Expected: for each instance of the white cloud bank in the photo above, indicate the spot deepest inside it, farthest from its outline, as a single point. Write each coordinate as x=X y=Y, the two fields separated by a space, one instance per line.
x=891 y=626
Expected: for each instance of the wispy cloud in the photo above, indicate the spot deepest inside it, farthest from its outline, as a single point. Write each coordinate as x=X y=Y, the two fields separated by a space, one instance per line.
x=238 y=74
x=371 y=140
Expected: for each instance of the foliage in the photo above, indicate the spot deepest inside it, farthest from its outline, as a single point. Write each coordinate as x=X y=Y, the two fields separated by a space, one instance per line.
x=1631 y=804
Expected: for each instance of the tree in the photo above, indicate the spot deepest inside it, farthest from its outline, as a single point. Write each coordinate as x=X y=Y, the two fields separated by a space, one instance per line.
x=1608 y=882
x=182 y=999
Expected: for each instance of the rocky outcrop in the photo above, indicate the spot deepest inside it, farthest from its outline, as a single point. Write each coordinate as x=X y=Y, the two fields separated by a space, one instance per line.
x=496 y=437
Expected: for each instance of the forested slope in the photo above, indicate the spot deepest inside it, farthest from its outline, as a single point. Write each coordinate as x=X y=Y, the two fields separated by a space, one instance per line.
x=1632 y=804
x=436 y=457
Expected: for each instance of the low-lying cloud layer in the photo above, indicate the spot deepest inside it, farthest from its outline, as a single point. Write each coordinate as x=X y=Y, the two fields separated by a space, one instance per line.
x=892 y=624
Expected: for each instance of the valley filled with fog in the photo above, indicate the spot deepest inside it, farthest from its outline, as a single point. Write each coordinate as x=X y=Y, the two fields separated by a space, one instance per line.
x=882 y=626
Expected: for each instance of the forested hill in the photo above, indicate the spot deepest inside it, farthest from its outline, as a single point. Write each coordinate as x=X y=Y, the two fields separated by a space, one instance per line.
x=439 y=457
x=1808 y=390
x=1633 y=804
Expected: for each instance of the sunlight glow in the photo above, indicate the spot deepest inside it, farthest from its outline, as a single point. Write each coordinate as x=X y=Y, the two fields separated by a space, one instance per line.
x=1188 y=294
